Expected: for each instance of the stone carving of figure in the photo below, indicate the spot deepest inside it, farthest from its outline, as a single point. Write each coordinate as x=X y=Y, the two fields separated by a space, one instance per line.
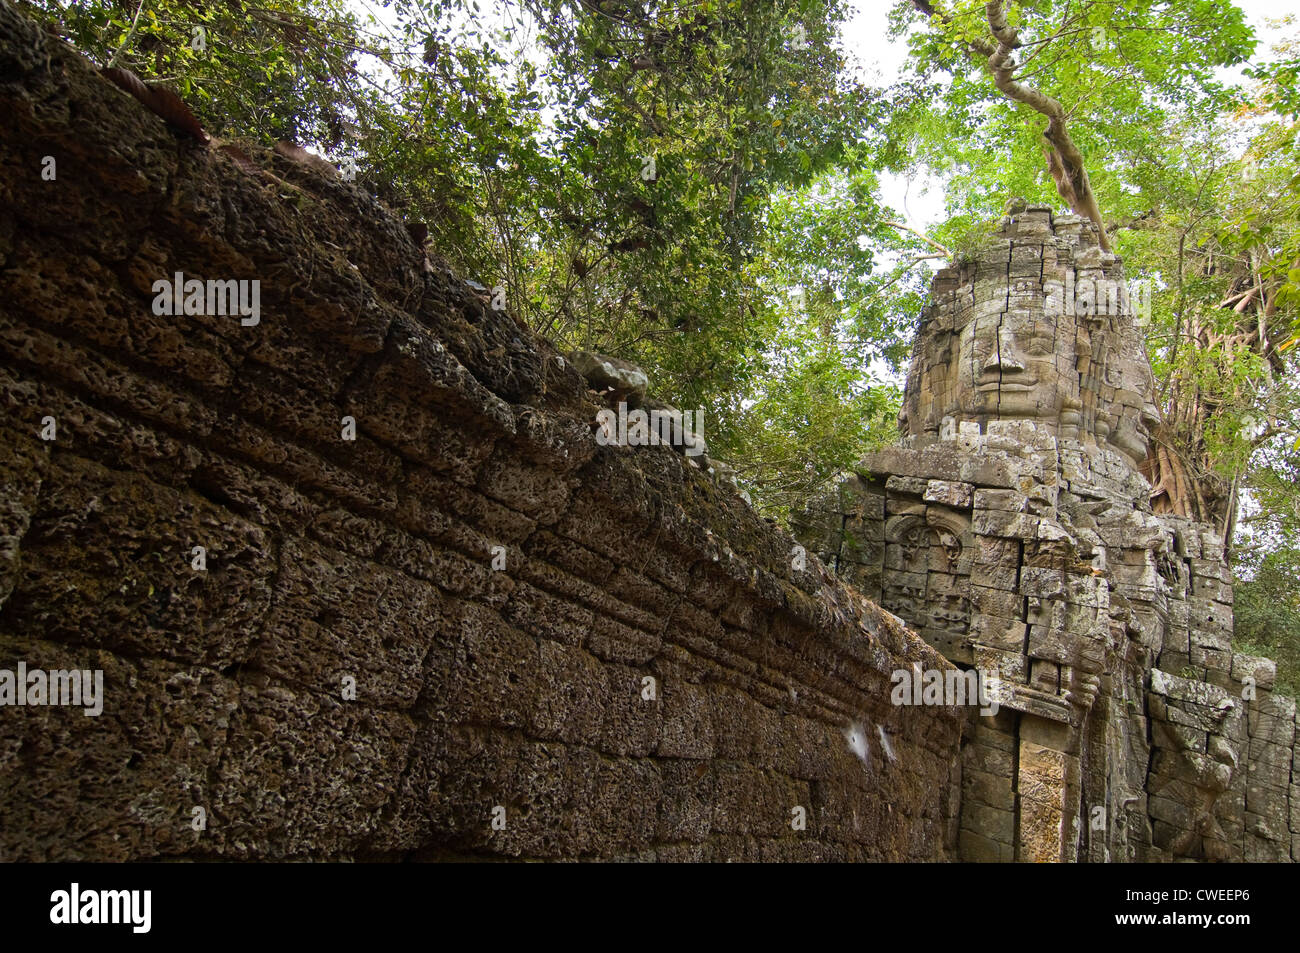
x=1062 y=351
x=1010 y=366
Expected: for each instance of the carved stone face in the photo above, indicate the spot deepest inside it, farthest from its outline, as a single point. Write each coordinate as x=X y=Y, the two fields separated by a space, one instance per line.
x=1010 y=366
x=1049 y=352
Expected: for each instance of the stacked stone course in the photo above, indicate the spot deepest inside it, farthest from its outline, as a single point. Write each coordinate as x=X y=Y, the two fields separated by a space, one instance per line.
x=478 y=686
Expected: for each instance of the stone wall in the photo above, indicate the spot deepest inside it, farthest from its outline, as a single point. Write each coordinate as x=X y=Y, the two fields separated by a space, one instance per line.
x=1012 y=528
x=497 y=589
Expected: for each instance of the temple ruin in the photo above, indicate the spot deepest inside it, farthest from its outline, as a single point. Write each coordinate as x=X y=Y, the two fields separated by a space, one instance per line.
x=1012 y=529
x=358 y=581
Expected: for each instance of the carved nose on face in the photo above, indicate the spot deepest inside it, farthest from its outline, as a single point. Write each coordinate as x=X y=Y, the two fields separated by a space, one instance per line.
x=1003 y=358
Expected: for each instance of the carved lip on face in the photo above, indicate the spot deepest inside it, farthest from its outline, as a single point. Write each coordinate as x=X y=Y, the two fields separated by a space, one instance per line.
x=1006 y=386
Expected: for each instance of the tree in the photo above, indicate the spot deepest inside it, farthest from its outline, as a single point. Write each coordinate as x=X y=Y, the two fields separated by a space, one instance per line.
x=285 y=69
x=682 y=146
x=1267 y=614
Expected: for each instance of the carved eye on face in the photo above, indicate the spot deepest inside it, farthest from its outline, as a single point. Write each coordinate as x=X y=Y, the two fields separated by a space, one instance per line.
x=1040 y=345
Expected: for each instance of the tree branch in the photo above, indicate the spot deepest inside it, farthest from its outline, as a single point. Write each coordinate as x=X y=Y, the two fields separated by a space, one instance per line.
x=1064 y=160
x=929 y=241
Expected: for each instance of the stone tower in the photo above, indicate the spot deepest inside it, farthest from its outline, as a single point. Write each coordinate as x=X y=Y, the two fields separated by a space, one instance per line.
x=1012 y=529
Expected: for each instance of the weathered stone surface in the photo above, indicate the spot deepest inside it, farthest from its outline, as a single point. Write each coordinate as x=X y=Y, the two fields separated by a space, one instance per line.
x=618 y=379
x=949 y=493
x=1109 y=627
x=1262 y=670
x=470 y=605
x=428 y=592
